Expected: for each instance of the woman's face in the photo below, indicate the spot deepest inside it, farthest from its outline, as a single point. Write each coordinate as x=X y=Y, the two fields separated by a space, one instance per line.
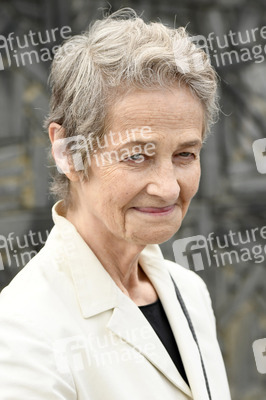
x=142 y=181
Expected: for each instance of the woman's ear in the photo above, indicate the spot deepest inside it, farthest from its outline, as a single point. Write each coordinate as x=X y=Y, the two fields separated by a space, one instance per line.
x=56 y=132
x=59 y=144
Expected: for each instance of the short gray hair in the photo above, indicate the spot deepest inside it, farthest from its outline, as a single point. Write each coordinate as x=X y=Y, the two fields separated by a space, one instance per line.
x=119 y=53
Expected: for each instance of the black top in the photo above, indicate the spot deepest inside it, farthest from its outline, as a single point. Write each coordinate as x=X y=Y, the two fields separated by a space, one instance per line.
x=156 y=316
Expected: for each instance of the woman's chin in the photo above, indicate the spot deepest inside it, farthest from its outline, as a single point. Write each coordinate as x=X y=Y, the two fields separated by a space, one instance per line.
x=154 y=237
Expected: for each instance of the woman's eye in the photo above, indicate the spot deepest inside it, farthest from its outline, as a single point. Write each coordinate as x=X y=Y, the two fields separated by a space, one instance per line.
x=186 y=154
x=135 y=157
x=184 y=157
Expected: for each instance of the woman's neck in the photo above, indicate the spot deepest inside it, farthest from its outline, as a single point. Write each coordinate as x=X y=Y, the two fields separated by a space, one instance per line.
x=119 y=258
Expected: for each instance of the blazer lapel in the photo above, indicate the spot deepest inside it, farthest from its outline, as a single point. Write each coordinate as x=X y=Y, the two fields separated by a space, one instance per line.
x=160 y=278
x=128 y=323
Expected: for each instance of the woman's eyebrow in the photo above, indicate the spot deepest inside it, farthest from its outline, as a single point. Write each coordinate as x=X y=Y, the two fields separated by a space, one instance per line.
x=189 y=143
x=132 y=143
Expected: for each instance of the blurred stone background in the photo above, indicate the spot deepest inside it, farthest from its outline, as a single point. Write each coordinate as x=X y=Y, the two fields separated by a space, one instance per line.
x=232 y=195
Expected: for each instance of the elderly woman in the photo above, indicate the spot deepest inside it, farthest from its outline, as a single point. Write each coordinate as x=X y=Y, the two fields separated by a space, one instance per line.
x=99 y=313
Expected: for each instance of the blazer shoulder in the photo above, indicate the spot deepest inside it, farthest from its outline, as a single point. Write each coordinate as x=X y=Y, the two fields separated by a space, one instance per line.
x=36 y=285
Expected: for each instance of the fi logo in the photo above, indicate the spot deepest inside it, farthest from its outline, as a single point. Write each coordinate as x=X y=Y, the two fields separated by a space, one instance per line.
x=200 y=41
x=259 y=150
x=192 y=252
x=259 y=350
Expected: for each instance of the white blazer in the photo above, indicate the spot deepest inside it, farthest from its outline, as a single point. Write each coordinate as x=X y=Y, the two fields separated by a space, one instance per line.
x=68 y=332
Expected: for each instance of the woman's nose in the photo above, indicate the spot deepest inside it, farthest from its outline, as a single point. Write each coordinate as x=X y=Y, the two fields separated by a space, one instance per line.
x=164 y=183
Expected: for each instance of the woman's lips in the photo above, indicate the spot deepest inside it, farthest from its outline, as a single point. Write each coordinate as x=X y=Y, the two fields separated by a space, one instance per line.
x=156 y=210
